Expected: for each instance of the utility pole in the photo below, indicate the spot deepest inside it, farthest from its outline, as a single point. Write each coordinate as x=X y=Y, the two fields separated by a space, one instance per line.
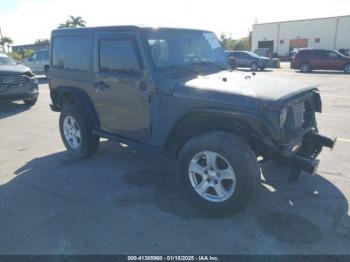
x=3 y=48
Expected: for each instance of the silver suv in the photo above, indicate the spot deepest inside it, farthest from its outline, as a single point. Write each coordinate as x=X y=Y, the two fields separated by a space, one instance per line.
x=17 y=82
x=38 y=62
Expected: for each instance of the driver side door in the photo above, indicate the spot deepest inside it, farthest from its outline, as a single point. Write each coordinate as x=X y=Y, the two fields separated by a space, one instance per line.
x=121 y=88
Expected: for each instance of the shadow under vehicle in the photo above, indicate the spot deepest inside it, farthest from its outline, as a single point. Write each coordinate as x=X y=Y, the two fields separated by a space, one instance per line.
x=57 y=205
x=170 y=91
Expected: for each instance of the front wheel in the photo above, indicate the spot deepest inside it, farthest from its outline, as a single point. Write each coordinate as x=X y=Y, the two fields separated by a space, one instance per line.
x=76 y=132
x=219 y=172
x=30 y=102
x=305 y=68
x=254 y=66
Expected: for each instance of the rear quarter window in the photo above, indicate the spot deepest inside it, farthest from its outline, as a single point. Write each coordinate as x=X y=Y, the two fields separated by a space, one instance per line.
x=71 y=53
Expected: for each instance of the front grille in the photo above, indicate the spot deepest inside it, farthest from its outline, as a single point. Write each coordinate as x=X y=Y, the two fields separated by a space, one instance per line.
x=13 y=81
x=298 y=115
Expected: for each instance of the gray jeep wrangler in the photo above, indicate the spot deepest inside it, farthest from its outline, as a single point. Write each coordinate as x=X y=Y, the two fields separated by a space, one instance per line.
x=171 y=91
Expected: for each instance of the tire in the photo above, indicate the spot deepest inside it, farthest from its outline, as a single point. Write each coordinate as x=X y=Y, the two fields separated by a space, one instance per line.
x=254 y=67
x=30 y=102
x=305 y=68
x=46 y=71
x=73 y=122
x=347 y=69
x=232 y=152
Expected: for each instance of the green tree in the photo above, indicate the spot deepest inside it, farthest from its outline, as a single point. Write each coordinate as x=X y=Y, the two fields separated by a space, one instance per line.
x=21 y=54
x=73 y=22
x=228 y=43
x=6 y=41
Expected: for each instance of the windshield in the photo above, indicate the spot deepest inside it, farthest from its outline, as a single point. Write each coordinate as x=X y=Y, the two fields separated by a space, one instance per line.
x=184 y=47
x=5 y=60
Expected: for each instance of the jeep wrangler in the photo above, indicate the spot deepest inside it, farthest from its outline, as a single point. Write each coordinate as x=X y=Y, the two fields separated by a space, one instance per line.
x=171 y=90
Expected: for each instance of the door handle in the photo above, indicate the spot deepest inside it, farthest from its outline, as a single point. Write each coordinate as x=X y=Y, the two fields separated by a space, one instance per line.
x=100 y=86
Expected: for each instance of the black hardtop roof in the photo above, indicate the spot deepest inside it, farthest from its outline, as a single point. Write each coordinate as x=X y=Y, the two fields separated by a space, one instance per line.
x=118 y=28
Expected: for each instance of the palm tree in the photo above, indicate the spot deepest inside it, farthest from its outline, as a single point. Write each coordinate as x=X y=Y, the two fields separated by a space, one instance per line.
x=6 y=41
x=73 y=22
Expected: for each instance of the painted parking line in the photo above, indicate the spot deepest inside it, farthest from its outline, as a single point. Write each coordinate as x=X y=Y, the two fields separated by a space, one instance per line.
x=343 y=139
x=335 y=96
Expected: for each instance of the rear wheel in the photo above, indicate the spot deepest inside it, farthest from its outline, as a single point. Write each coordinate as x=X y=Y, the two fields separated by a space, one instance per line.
x=347 y=69
x=305 y=68
x=219 y=172
x=76 y=132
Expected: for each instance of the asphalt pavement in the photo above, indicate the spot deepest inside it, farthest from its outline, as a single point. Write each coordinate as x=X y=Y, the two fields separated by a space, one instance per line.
x=125 y=202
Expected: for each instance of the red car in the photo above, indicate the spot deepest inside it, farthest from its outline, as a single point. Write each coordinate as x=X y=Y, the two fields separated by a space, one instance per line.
x=315 y=59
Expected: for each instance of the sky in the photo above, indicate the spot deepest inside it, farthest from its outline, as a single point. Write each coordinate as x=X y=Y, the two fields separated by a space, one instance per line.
x=27 y=20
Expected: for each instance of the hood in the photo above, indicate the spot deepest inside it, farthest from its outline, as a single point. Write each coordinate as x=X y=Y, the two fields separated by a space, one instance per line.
x=264 y=58
x=240 y=88
x=13 y=69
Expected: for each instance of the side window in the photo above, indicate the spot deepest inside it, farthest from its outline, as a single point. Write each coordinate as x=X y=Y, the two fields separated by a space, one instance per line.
x=332 y=55
x=245 y=56
x=46 y=55
x=118 y=56
x=159 y=51
x=40 y=56
x=34 y=56
x=317 y=54
x=237 y=55
x=71 y=53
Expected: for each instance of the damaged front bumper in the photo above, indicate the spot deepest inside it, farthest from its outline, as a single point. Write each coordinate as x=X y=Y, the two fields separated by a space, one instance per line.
x=305 y=159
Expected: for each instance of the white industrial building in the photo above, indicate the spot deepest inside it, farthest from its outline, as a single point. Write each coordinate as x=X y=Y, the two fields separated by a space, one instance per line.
x=281 y=37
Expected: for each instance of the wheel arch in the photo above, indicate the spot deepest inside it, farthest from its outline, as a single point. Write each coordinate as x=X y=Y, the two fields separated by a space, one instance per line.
x=305 y=62
x=249 y=128
x=63 y=96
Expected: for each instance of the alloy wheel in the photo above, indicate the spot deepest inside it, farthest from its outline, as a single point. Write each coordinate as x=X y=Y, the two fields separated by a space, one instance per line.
x=212 y=176
x=72 y=132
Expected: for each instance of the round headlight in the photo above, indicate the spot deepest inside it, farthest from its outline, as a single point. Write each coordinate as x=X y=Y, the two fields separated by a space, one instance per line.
x=283 y=116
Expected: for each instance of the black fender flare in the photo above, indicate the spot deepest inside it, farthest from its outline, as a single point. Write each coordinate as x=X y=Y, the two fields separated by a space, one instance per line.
x=260 y=127
x=80 y=97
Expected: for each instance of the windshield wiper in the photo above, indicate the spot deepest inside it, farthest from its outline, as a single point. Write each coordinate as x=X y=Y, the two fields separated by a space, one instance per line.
x=183 y=68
